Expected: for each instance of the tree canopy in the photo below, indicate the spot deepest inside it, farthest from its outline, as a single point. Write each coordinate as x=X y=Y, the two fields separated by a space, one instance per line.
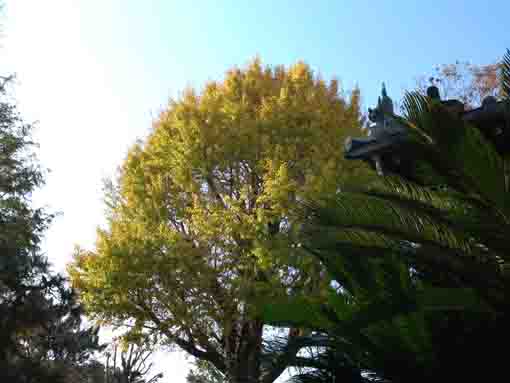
x=467 y=82
x=201 y=206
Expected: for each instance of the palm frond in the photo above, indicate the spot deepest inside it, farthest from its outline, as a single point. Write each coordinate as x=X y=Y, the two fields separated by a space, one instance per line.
x=445 y=299
x=481 y=165
x=332 y=374
x=457 y=152
x=415 y=107
x=300 y=312
x=505 y=76
x=428 y=229
x=458 y=211
x=312 y=376
x=441 y=198
x=351 y=217
x=431 y=118
x=401 y=251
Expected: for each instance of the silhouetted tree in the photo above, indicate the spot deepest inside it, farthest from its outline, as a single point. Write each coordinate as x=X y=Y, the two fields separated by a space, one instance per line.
x=41 y=336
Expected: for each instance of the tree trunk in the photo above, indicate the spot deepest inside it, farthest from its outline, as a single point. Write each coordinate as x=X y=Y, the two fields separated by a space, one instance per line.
x=244 y=349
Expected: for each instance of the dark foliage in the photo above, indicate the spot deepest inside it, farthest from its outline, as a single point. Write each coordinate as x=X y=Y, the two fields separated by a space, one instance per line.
x=41 y=334
x=419 y=268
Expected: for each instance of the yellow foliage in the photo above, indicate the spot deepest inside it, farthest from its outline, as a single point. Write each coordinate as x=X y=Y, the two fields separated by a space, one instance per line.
x=202 y=204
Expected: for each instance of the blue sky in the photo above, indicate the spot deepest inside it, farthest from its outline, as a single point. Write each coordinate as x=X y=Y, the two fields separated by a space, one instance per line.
x=94 y=73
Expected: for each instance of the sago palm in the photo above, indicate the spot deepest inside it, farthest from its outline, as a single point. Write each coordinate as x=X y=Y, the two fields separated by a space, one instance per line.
x=421 y=264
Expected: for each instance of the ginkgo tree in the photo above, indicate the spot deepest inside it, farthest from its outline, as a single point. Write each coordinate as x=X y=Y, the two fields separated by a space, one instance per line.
x=202 y=205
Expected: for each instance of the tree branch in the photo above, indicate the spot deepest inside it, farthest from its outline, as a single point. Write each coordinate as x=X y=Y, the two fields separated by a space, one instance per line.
x=214 y=190
x=189 y=346
x=285 y=359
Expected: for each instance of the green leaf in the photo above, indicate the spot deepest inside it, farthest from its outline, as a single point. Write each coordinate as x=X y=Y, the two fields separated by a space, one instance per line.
x=296 y=312
x=445 y=299
x=505 y=75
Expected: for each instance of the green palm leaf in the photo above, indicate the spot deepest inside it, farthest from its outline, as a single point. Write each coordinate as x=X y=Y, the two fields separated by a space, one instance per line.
x=446 y=207
x=296 y=312
x=457 y=152
x=505 y=75
x=412 y=259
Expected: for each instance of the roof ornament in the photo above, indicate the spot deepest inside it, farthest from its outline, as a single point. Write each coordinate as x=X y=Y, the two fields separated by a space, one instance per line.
x=382 y=119
x=384 y=132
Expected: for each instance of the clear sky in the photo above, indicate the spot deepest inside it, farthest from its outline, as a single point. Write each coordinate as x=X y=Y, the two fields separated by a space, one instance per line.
x=94 y=73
